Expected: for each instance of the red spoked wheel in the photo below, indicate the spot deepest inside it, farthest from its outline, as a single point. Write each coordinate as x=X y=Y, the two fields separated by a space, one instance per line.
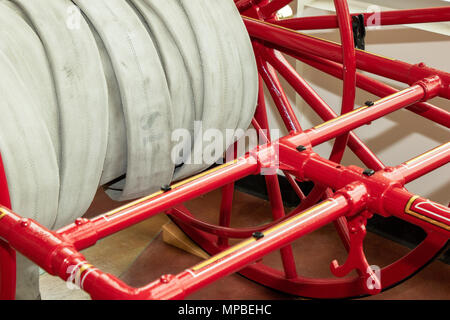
x=215 y=238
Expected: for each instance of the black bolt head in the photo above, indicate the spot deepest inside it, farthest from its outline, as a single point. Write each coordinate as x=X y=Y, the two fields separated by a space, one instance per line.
x=369 y=172
x=258 y=235
x=166 y=188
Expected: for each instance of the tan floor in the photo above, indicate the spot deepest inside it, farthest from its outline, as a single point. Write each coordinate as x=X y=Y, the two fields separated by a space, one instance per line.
x=139 y=255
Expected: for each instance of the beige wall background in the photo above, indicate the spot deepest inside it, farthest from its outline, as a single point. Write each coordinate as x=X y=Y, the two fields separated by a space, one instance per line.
x=401 y=135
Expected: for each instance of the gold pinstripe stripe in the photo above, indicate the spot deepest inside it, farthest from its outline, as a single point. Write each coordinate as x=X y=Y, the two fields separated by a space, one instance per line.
x=176 y=185
x=357 y=110
x=427 y=153
x=251 y=240
x=85 y=267
x=3 y=213
x=340 y=117
x=422 y=217
x=315 y=37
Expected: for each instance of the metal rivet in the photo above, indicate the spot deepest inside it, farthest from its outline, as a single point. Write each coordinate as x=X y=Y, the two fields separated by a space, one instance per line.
x=258 y=235
x=166 y=188
x=369 y=172
x=24 y=222
x=166 y=278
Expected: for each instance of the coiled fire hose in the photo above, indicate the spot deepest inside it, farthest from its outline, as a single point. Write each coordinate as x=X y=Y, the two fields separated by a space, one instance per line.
x=92 y=92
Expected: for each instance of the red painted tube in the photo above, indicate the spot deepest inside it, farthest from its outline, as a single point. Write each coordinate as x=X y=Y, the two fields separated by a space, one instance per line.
x=276 y=202
x=377 y=88
x=261 y=111
x=387 y=183
x=225 y=210
x=56 y=252
x=56 y=255
x=425 y=163
x=283 y=39
x=7 y=272
x=234 y=259
x=386 y=18
x=363 y=115
x=7 y=254
x=84 y=233
x=298 y=191
x=417 y=210
x=349 y=73
x=278 y=95
x=270 y=9
x=324 y=111
x=182 y=215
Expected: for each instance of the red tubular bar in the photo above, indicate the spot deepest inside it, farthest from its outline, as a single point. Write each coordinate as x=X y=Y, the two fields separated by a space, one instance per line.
x=425 y=163
x=276 y=202
x=364 y=115
x=394 y=17
x=248 y=251
x=181 y=214
x=225 y=211
x=349 y=73
x=324 y=111
x=55 y=254
x=85 y=233
x=384 y=182
x=271 y=8
x=417 y=210
x=278 y=95
x=283 y=39
x=7 y=254
x=272 y=184
x=336 y=176
x=376 y=87
x=7 y=271
x=381 y=192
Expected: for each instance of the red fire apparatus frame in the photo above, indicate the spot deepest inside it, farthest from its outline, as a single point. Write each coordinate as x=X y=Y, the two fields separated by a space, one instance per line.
x=348 y=195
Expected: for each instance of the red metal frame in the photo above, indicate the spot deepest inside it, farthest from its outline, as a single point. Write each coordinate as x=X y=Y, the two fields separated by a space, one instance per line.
x=359 y=193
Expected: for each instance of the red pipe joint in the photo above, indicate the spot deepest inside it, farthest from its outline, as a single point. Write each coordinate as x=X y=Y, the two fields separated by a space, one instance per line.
x=432 y=86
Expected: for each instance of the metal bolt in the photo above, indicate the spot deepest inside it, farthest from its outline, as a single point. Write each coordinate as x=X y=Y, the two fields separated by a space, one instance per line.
x=258 y=235
x=301 y=148
x=369 y=172
x=24 y=222
x=166 y=278
x=166 y=188
x=369 y=103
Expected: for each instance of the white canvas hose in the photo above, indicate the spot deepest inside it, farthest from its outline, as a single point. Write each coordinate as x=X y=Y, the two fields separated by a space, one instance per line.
x=30 y=148
x=247 y=64
x=25 y=51
x=30 y=164
x=223 y=79
x=85 y=104
x=115 y=164
x=144 y=92
x=176 y=30
x=181 y=93
x=83 y=118
x=174 y=18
